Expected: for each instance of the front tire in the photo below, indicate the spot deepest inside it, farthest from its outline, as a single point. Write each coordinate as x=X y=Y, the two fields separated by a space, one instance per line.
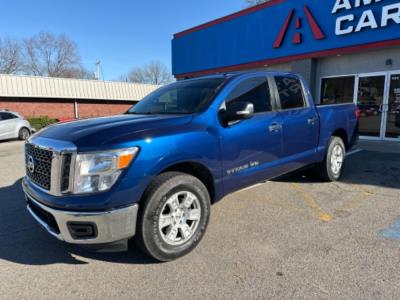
x=24 y=134
x=173 y=217
x=330 y=169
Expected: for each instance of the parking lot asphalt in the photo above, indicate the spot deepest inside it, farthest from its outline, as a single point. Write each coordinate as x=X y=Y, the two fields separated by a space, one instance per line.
x=289 y=238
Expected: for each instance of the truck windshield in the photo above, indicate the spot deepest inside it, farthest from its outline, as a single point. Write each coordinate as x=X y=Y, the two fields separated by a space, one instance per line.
x=183 y=97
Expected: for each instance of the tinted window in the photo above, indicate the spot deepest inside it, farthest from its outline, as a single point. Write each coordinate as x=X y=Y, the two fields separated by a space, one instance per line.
x=337 y=90
x=290 y=92
x=183 y=97
x=7 y=116
x=254 y=90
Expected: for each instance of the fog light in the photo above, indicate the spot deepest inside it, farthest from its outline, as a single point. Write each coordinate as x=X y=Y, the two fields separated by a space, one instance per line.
x=80 y=231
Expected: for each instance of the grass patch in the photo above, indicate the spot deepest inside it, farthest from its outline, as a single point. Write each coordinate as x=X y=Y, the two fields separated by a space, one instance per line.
x=41 y=122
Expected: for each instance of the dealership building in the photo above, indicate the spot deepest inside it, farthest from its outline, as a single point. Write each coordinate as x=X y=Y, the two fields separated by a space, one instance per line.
x=60 y=98
x=347 y=50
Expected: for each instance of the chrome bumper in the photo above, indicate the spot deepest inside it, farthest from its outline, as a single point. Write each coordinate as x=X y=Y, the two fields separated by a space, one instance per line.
x=110 y=226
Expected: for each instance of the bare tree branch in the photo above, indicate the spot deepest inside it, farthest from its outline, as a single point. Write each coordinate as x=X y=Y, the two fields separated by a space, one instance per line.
x=153 y=73
x=53 y=56
x=10 y=56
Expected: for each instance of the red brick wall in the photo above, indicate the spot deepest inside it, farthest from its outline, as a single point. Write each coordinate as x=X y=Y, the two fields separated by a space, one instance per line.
x=87 y=110
x=63 y=108
x=37 y=109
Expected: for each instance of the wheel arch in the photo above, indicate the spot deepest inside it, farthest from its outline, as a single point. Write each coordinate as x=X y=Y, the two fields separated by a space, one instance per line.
x=341 y=133
x=197 y=170
x=19 y=128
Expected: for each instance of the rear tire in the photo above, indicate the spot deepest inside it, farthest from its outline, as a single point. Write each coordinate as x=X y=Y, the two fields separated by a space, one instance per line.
x=173 y=216
x=330 y=169
x=24 y=134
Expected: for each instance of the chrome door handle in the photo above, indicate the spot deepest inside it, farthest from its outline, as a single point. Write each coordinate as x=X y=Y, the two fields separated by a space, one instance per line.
x=275 y=127
x=312 y=121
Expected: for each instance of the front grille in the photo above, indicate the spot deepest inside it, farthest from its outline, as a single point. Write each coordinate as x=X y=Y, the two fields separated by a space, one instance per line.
x=42 y=160
x=67 y=159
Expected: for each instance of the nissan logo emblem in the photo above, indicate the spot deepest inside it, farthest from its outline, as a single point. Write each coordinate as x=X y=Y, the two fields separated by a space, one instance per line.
x=31 y=164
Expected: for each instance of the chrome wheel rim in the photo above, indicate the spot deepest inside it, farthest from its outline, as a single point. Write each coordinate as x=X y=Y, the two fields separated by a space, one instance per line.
x=337 y=159
x=179 y=218
x=25 y=134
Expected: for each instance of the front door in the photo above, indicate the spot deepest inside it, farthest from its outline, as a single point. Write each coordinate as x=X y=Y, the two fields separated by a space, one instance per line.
x=392 y=108
x=251 y=147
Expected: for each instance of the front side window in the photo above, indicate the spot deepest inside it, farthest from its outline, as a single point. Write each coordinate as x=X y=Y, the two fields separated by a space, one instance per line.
x=183 y=97
x=290 y=92
x=254 y=90
x=337 y=90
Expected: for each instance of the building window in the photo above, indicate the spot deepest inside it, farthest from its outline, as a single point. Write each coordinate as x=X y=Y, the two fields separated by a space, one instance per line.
x=254 y=90
x=290 y=92
x=337 y=90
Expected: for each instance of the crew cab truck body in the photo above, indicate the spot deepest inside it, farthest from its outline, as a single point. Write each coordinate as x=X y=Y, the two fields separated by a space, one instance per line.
x=153 y=172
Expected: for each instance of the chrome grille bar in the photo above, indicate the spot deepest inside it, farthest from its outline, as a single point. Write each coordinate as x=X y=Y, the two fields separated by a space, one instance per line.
x=60 y=151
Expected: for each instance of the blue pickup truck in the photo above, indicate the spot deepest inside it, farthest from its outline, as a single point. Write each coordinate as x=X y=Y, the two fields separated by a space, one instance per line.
x=151 y=174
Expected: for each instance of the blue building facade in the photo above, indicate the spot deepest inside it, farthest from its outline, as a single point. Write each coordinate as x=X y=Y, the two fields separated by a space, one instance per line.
x=348 y=50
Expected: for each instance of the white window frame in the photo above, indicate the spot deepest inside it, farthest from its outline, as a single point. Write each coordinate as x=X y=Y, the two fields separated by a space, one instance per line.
x=339 y=76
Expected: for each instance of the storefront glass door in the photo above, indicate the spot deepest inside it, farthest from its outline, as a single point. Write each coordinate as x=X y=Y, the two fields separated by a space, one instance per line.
x=392 y=108
x=378 y=99
x=370 y=100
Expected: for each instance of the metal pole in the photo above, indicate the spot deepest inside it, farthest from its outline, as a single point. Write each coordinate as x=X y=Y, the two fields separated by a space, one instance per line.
x=76 y=109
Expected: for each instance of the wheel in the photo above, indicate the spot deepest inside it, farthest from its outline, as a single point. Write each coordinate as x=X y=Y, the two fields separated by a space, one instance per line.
x=330 y=169
x=24 y=134
x=173 y=217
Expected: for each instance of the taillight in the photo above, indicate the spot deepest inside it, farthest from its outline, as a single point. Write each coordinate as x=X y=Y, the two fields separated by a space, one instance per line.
x=358 y=114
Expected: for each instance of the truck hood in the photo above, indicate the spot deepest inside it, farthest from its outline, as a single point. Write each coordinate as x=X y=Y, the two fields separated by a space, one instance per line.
x=122 y=128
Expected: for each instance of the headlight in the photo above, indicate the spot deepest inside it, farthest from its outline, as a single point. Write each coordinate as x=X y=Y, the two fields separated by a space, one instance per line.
x=98 y=171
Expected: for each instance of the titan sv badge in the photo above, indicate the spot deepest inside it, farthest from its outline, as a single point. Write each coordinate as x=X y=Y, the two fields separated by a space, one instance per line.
x=240 y=169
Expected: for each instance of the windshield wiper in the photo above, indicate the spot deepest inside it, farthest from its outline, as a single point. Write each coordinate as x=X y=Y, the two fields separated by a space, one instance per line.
x=138 y=113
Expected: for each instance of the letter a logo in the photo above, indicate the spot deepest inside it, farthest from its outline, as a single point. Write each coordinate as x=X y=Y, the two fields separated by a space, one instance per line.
x=297 y=38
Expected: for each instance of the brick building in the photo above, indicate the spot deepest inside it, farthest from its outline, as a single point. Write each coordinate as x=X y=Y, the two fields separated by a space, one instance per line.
x=68 y=98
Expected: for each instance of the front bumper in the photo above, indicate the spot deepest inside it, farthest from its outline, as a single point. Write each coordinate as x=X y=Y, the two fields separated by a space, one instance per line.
x=106 y=227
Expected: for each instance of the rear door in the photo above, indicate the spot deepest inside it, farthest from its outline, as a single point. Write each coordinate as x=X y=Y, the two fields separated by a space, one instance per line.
x=251 y=148
x=300 y=121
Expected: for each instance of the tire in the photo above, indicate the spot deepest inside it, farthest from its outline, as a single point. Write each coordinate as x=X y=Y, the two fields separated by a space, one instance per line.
x=160 y=204
x=328 y=169
x=24 y=134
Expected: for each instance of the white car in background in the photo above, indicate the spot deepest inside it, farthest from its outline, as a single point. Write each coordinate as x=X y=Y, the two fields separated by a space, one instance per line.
x=14 y=126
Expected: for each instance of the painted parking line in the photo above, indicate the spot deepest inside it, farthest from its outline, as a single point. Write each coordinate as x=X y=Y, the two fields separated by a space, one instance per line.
x=313 y=204
x=352 y=152
x=281 y=202
x=356 y=202
x=393 y=232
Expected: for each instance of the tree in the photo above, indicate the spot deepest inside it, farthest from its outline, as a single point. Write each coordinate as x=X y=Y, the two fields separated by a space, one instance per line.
x=52 y=56
x=153 y=73
x=10 y=56
x=255 y=2
x=79 y=73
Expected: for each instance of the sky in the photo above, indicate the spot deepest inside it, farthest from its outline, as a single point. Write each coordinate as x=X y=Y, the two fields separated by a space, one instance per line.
x=122 y=34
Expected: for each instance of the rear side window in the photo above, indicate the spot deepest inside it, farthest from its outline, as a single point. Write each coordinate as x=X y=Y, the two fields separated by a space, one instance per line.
x=290 y=92
x=254 y=90
x=7 y=116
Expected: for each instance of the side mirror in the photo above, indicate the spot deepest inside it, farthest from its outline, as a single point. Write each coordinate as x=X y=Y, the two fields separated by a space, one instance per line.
x=238 y=111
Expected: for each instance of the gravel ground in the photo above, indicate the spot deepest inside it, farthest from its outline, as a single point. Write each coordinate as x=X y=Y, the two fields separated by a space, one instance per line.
x=290 y=238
